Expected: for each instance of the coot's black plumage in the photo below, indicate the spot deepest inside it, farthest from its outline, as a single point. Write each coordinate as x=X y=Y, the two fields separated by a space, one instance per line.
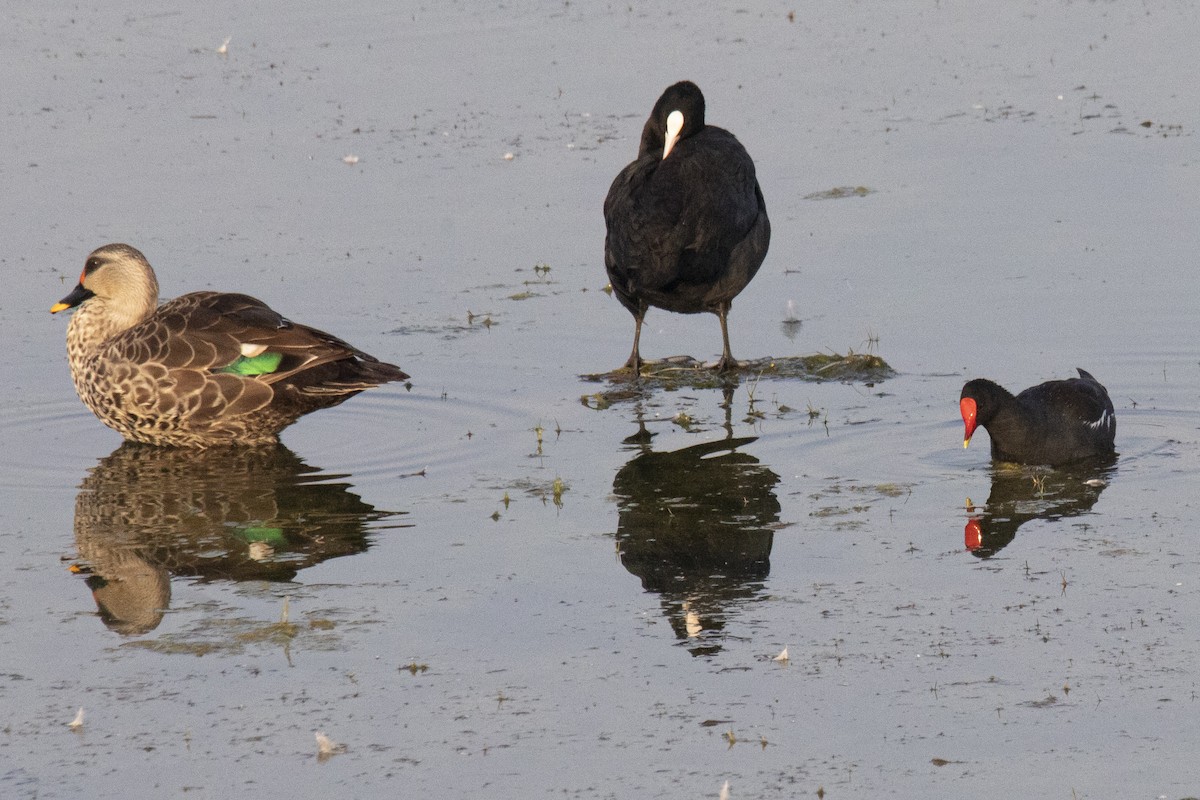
x=1051 y=423
x=687 y=225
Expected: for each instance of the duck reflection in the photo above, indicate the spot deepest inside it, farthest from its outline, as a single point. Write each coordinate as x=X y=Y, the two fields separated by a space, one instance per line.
x=145 y=513
x=696 y=526
x=1020 y=494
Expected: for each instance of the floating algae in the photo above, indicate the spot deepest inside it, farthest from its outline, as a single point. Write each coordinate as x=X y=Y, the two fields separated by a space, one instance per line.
x=838 y=192
x=685 y=372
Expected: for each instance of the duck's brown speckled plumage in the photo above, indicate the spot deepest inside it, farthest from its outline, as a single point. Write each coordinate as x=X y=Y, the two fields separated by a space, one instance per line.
x=151 y=372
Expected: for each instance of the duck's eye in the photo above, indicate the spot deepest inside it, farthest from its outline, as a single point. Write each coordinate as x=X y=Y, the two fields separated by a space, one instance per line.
x=92 y=265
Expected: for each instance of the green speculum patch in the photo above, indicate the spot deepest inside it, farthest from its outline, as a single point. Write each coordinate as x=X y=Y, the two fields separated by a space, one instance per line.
x=261 y=364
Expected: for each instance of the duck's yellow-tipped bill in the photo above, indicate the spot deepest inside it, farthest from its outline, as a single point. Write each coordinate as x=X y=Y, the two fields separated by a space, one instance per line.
x=57 y=307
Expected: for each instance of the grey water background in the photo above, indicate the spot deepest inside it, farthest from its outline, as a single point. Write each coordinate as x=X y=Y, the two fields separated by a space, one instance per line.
x=491 y=589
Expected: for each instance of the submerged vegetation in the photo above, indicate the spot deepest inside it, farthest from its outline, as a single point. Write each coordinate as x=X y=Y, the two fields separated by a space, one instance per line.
x=685 y=372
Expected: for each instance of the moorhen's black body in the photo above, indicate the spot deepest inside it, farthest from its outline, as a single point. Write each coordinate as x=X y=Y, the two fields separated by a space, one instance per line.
x=687 y=225
x=1052 y=423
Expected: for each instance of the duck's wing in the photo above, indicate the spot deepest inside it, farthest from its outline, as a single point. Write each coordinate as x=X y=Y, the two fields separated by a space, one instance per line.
x=217 y=354
x=176 y=361
x=239 y=334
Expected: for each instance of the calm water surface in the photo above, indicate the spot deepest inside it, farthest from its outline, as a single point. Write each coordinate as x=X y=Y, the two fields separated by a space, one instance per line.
x=480 y=585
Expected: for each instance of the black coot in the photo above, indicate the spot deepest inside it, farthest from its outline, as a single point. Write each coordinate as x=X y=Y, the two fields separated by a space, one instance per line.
x=1051 y=423
x=687 y=226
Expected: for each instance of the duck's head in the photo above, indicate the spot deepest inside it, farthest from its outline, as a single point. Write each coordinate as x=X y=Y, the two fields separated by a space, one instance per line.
x=118 y=274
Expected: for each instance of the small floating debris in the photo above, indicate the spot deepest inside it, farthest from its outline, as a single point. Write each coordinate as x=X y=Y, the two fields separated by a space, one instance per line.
x=1097 y=482
x=724 y=792
x=791 y=324
x=509 y=156
x=838 y=192
x=224 y=48
x=76 y=723
x=350 y=159
x=327 y=747
x=782 y=657
x=683 y=420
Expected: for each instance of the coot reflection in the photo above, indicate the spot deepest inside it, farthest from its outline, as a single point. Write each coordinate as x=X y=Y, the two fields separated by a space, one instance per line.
x=145 y=513
x=696 y=526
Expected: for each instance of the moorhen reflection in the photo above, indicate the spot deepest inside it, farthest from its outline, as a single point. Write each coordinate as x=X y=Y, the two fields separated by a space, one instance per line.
x=1020 y=494
x=696 y=526
x=145 y=513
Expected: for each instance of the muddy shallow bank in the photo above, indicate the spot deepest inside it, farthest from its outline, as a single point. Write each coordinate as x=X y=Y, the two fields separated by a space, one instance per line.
x=483 y=585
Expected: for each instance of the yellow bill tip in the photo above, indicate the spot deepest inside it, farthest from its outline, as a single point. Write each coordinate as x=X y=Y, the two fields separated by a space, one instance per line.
x=965 y=443
x=57 y=307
